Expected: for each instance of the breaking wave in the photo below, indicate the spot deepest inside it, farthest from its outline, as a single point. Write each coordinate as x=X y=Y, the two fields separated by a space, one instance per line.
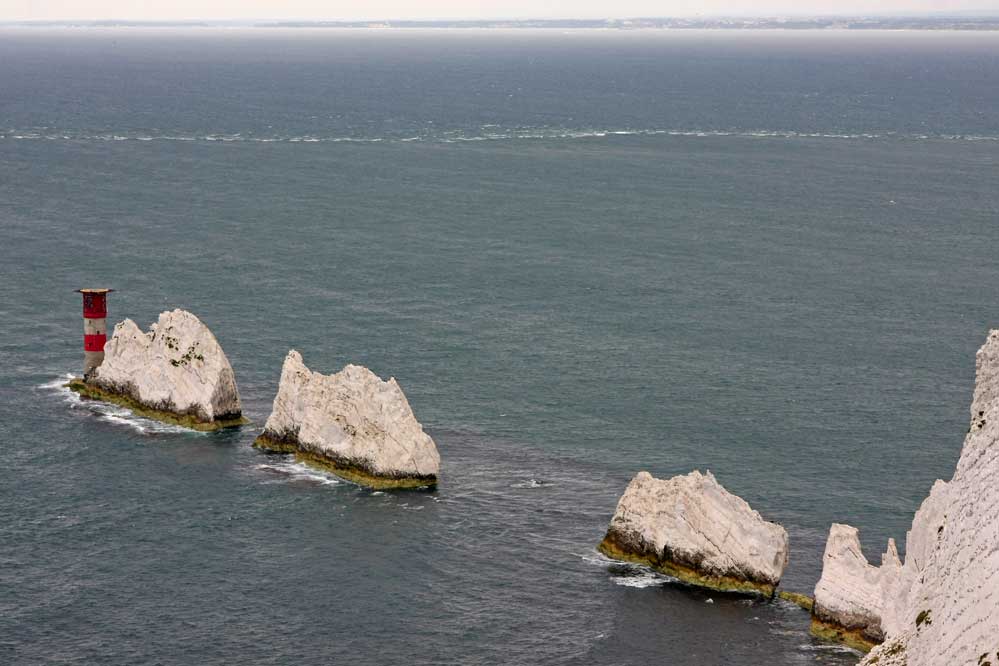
x=627 y=574
x=59 y=385
x=288 y=470
x=484 y=134
x=828 y=647
x=292 y=471
x=641 y=579
x=108 y=412
x=532 y=483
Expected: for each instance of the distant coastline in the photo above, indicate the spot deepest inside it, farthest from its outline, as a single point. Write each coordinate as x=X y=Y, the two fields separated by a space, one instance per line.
x=958 y=22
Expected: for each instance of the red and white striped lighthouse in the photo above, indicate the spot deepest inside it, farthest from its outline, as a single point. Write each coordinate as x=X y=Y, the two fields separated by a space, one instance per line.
x=95 y=327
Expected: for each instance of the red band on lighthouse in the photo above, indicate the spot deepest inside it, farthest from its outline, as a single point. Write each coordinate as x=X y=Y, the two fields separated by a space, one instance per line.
x=95 y=312
x=94 y=343
x=95 y=306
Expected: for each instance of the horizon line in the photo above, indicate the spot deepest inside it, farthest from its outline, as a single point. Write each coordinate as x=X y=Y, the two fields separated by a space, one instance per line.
x=960 y=15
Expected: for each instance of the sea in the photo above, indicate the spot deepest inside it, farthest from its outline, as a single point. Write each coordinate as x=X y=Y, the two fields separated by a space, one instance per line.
x=582 y=254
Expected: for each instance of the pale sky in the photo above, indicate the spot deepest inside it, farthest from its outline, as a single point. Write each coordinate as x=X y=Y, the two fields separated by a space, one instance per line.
x=465 y=9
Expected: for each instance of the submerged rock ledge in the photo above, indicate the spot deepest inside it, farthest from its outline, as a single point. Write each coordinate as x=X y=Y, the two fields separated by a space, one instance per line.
x=176 y=373
x=191 y=421
x=691 y=528
x=797 y=598
x=351 y=423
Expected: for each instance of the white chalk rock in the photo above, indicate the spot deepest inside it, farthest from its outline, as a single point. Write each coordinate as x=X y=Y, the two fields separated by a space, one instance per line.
x=944 y=607
x=690 y=527
x=849 y=598
x=177 y=368
x=352 y=422
x=891 y=653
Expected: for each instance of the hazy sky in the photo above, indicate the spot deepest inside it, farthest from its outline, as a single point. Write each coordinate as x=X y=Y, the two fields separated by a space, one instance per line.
x=457 y=9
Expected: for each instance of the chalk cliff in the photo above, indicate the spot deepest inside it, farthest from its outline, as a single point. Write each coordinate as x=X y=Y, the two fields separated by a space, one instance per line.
x=850 y=596
x=352 y=423
x=941 y=607
x=691 y=528
x=175 y=372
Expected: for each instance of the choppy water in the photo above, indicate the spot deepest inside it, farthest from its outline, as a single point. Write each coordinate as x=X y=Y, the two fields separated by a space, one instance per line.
x=582 y=255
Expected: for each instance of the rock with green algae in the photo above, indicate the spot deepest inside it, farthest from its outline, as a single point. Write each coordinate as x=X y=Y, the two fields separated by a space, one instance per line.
x=797 y=598
x=691 y=528
x=351 y=423
x=176 y=372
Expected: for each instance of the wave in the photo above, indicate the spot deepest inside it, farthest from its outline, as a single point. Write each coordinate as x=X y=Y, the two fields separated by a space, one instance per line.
x=627 y=574
x=597 y=558
x=517 y=134
x=829 y=647
x=288 y=470
x=109 y=412
x=59 y=384
x=532 y=483
x=291 y=471
x=642 y=579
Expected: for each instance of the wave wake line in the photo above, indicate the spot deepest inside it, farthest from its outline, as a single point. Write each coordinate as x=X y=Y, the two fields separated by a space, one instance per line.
x=524 y=134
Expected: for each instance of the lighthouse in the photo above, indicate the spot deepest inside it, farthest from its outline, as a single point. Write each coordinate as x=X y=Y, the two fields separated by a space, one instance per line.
x=95 y=327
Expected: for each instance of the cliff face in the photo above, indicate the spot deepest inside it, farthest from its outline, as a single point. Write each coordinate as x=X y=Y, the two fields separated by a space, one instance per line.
x=943 y=606
x=352 y=422
x=177 y=372
x=691 y=528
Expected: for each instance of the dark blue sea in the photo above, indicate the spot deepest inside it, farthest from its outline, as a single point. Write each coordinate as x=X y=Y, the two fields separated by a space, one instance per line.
x=582 y=254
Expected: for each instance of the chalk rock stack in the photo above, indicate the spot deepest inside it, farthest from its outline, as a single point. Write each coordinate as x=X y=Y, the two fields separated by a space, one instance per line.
x=691 y=528
x=942 y=606
x=850 y=596
x=176 y=372
x=352 y=423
